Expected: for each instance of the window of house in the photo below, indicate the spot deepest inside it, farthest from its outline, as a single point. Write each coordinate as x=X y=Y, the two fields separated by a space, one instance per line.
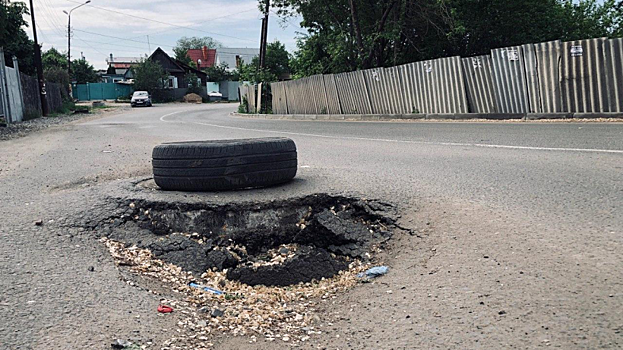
x=172 y=83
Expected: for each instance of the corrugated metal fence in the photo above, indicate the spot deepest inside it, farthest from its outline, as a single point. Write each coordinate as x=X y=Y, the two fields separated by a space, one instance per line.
x=584 y=76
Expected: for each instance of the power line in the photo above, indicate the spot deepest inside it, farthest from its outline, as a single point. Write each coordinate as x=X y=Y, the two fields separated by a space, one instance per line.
x=112 y=44
x=42 y=34
x=50 y=19
x=88 y=44
x=209 y=19
x=145 y=43
x=119 y=38
x=160 y=22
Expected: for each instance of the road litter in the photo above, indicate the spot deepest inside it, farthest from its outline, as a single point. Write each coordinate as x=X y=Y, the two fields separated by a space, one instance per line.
x=163 y=309
x=123 y=344
x=374 y=272
x=217 y=313
x=39 y=223
x=107 y=151
x=207 y=289
x=269 y=312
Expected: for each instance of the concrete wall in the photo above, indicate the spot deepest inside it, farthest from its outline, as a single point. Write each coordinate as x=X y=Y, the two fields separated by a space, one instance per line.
x=13 y=95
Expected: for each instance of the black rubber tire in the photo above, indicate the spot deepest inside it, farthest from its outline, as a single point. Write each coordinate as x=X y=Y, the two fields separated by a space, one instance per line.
x=224 y=164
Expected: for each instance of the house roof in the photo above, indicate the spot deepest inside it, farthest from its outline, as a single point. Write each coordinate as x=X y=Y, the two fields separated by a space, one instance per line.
x=123 y=62
x=118 y=65
x=228 y=55
x=207 y=57
x=190 y=69
x=172 y=65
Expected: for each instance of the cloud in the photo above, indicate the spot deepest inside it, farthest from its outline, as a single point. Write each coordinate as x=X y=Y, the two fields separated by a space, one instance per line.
x=236 y=23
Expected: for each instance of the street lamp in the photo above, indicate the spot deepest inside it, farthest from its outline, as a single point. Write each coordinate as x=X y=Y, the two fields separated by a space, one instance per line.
x=69 y=35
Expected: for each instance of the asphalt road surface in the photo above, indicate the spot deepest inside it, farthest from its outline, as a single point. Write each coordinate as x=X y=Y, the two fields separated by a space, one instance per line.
x=519 y=230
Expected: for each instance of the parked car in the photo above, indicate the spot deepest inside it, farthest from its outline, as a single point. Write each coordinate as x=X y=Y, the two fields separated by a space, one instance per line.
x=215 y=96
x=141 y=98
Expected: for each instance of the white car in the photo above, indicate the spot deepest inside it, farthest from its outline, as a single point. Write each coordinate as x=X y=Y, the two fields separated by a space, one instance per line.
x=215 y=94
x=140 y=98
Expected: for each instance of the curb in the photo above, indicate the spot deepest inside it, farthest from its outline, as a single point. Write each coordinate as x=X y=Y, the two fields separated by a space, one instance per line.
x=397 y=117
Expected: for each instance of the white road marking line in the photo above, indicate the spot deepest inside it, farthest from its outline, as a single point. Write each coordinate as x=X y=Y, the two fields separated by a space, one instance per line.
x=168 y=115
x=457 y=144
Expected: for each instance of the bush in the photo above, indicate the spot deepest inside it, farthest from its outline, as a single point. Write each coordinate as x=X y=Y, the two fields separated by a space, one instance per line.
x=194 y=84
x=58 y=75
x=149 y=76
x=242 y=108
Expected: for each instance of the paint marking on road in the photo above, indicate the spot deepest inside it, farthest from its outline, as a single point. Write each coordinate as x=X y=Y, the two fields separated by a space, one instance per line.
x=456 y=144
x=168 y=115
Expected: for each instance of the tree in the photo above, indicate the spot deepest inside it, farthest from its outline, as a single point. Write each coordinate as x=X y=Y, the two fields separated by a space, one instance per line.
x=149 y=76
x=13 y=38
x=345 y=35
x=52 y=58
x=60 y=76
x=277 y=64
x=593 y=19
x=219 y=73
x=277 y=58
x=83 y=72
x=185 y=43
x=194 y=83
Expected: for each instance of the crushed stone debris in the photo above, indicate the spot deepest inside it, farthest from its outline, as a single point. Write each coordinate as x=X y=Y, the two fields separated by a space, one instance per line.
x=275 y=313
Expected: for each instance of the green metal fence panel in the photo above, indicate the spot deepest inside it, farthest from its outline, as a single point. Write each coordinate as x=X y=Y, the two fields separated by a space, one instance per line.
x=101 y=91
x=81 y=92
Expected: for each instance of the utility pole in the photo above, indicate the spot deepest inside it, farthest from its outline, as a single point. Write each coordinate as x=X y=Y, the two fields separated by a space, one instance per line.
x=69 y=47
x=42 y=93
x=264 y=39
x=69 y=36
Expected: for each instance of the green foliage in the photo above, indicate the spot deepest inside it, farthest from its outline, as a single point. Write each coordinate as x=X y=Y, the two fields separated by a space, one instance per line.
x=194 y=83
x=277 y=64
x=68 y=107
x=243 y=108
x=58 y=75
x=83 y=72
x=590 y=19
x=185 y=43
x=219 y=73
x=13 y=38
x=277 y=58
x=52 y=58
x=345 y=35
x=480 y=25
x=149 y=76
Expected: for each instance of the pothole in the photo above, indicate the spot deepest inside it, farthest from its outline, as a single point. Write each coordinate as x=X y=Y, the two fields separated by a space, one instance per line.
x=279 y=243
x=256 y=270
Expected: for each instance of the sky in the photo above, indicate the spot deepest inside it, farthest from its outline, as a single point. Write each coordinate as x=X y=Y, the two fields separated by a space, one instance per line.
x=113 y=26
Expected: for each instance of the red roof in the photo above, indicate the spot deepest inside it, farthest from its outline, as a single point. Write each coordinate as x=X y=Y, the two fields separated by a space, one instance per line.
x=122 y=65
x=207 y=57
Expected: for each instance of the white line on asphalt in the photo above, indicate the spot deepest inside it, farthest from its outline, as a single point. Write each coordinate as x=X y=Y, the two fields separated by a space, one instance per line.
x=588 y=150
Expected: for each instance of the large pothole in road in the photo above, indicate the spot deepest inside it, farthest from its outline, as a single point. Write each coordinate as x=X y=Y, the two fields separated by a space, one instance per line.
x=273 y=244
